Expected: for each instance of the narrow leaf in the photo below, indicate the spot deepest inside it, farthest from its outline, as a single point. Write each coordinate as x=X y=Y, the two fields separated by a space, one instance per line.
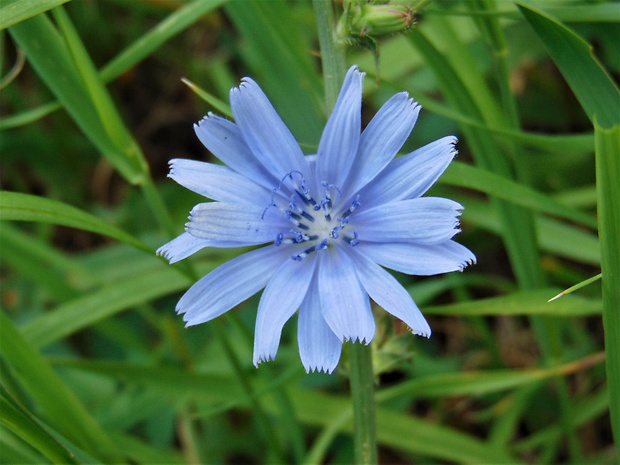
x=608 y=187
x=25 y=207
x=61 y=407
x=532 y=302
x=592 y=85
x=19 y=420
x=460 y=174
x=48 y=53
x=14 y=11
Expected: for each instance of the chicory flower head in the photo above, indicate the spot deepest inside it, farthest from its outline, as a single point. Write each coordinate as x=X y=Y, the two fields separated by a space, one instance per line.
x=331 y=221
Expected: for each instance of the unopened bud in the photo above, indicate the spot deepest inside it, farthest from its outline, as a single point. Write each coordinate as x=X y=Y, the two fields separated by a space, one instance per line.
x=374 y=20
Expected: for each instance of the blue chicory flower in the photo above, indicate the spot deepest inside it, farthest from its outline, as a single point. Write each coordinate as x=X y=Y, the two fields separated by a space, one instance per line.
x=332 y=221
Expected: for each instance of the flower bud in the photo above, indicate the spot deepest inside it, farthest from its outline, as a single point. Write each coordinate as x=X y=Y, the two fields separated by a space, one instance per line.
x=374 y=20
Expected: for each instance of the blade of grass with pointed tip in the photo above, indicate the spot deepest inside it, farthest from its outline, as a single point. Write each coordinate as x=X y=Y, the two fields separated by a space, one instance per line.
x=210 y=99
x=576 y=287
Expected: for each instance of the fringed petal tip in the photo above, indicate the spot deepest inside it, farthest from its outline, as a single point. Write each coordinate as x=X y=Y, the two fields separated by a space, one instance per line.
x=246 y=83
x=355 y=339
x=263 y=358
x=199 y=126
x=426 y=334
x=355 y=69
x=328 y=370
x=164 y=251
x=191 y=317
x=469 y=259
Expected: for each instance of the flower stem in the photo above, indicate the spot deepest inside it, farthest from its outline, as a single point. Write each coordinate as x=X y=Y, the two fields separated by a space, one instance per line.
x=362 y=391
x=333 y=59
x=332 y=53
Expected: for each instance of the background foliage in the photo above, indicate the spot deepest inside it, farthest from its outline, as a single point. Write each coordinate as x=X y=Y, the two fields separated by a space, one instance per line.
x=96 y=367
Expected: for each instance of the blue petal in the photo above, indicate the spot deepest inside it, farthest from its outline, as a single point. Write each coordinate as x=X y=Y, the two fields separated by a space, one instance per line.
x=225 y=141
x=412 y=175
x=382 y=139
x=420 y=260
x=319 y=348
x=344 y=303
x=182 y=247
x=340 y=139
x=230 y=284
x=264 y=132
x=389 y=294
x=217 y=182
x=246 y=225
x=426 y=220
x=281 y=298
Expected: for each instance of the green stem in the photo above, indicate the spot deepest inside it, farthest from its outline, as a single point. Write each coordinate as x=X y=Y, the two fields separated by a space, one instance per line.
x=607 y=152
x=270 y=435
x=362 y=381
x=157 y=206
x=544 y=327
x=362 y=391
x=332 y=53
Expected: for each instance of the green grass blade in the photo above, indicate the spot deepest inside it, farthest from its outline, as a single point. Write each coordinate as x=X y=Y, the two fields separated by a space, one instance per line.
x=449 y=59
x=111 y=121
x=48 y=53
x=130 y=56
x=16 y=206
x=554 y=237
x=592 y=85
x=462 y=175
x=36 y=261
x=531 y=302
x=608 y=187
x=401 y=431
x=482 y=383
x=14 y=11
x=29 y=116
x=216 y=103
x=63 y=411
x=174 y=23
x=92 y=307
x=19 y=420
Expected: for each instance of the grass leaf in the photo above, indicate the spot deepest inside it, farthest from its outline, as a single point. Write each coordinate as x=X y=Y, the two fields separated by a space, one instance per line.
x=48 y=53
x=16 y=206
x=17 y=419
x=63 y=411
x=14 y=11
x=592 y=85
x=608 y=188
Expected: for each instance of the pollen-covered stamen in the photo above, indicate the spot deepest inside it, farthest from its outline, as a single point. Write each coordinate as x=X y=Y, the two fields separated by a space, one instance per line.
x=320 y=246
x=355 y=239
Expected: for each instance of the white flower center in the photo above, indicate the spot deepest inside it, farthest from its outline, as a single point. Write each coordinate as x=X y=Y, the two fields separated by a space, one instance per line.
x=313 y=223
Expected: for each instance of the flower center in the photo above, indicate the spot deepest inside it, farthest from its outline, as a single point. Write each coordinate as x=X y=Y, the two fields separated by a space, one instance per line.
x=317 y=221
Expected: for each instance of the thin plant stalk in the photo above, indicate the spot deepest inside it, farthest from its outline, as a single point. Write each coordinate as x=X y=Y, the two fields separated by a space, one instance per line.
x=362 y=379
